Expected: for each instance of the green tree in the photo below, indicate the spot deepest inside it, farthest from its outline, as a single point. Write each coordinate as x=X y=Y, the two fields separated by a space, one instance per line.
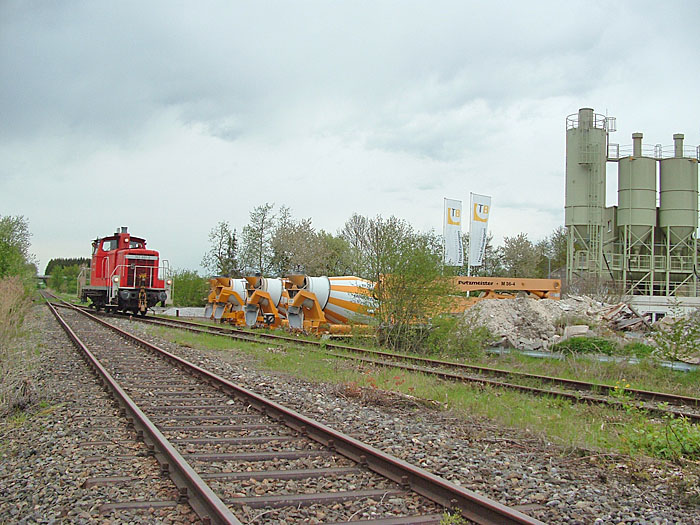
x=283 y=242
x=222 y=257
x=374 y=242
x=56 y=279
x=64 y=273
x=552 y=253
x=11 y=260
x=492 y=263
x=520 y=256
x=298 y=248
x=15 y=258
x=256 y=240
x=407 y=267
x=338 y=257
x=189 y=289
x=64 y=262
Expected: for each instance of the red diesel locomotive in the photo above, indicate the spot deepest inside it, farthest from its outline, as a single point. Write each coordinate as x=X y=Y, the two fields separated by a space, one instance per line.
x=124 y=275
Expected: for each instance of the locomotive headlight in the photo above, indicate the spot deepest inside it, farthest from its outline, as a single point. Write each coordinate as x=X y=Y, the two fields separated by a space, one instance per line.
x=169 y=282
x=115 y=279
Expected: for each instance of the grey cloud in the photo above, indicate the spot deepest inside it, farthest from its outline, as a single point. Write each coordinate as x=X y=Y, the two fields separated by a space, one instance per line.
x=106 y=69
x=445 y=95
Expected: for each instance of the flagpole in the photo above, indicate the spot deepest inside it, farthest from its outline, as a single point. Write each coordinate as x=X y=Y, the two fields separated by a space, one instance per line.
x=471 y=239
x=444 y=226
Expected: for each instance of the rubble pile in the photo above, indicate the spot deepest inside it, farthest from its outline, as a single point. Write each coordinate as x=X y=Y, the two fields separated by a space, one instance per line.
x=623 y=317
x=532 y=324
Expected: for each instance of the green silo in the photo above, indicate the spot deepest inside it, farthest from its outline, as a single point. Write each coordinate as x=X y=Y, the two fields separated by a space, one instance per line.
x=586 y=154
x=678 y=208
x=636 y=190
x=678 y=219
x=636 y=218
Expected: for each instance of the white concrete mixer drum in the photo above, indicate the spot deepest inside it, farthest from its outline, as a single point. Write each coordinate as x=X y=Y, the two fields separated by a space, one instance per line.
x=319 y=286
x=239 y=286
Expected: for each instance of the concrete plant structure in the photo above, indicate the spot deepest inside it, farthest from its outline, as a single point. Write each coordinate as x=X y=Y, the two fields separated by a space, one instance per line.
x=646 y=246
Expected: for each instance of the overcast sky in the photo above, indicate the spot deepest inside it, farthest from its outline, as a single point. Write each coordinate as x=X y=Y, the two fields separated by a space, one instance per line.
x=168 y=117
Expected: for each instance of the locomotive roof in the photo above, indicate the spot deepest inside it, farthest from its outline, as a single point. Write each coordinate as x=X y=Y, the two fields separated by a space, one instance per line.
x=117 y=235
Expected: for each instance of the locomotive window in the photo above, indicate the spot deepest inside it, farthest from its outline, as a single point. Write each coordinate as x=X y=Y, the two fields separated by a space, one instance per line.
x=110 y=244
x=135 y=244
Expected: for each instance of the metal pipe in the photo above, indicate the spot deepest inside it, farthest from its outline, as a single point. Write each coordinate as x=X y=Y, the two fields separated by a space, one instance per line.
x=637 y=144
x=585 y=118
x=678 y=144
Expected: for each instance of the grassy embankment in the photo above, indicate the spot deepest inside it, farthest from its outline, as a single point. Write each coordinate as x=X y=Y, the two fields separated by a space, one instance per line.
x=567 y=424
x=16 y=360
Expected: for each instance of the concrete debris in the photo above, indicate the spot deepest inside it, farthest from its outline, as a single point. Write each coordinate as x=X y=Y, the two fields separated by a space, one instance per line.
x=536 y=324
x=576 y=330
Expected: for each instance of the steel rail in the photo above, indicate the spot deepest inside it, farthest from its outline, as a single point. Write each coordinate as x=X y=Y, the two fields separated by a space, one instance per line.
x=469 y=504
x=575 y=397
x=192 y=488
x=648 y=395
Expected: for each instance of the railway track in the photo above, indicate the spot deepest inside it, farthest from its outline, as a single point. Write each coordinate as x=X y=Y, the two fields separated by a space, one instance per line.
x=654 y=403
x=237 y=457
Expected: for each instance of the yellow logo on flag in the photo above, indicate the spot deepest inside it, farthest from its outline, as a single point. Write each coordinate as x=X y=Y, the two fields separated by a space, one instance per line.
x=481 y=212
x=454 y=216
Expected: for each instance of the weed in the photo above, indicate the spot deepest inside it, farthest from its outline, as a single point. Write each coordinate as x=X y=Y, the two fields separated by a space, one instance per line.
x=672 y=440
x=457 y=337
x=452 y=519
x=17 y=418
x=587 y=345
x=687 y=486
x=637 y=349
x=352 y=390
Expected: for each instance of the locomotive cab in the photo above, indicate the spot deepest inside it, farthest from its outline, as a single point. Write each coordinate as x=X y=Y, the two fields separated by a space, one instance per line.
x=125 y=275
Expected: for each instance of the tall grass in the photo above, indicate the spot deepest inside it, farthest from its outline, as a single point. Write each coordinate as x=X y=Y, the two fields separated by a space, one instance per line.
x=15 y=385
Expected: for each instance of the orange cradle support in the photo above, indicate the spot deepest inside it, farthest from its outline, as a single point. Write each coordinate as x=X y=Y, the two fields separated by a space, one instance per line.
x=226 y=300
x=263 y=301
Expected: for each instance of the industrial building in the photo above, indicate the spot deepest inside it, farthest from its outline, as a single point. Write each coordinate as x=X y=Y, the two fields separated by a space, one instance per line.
x=646 y=247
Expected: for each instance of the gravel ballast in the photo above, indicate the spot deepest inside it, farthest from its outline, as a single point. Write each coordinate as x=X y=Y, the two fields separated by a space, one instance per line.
x=75 y=436
x=510 y=466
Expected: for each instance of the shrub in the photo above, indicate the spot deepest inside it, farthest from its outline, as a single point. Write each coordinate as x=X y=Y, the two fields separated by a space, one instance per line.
x=587 y=345
x=457 y=336
x=681 y=338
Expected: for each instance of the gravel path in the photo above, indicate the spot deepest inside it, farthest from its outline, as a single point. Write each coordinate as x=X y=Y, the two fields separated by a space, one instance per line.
x=46 y=461
x=513 y=467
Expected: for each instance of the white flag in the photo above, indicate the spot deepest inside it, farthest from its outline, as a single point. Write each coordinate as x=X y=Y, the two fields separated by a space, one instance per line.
x=479 y=208
x=452 y=232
